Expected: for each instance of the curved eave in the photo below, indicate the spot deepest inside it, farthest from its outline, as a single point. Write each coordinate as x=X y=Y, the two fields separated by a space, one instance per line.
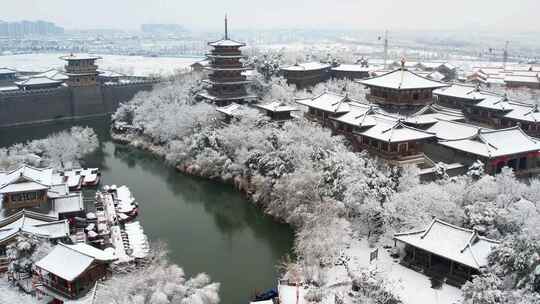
x=216 y=98
x=227 y=83
x=226 y=56
x=81 y=74
x=228 y=69
x=402 y=89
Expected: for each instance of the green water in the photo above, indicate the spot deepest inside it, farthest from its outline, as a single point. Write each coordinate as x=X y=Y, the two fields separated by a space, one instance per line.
x=209 y=227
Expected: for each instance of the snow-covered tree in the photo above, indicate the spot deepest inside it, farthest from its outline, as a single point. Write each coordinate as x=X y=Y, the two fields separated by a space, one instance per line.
x=61 y=150
x=160 y=282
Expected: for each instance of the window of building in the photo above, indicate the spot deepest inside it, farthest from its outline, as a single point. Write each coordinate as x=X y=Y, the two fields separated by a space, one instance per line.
x=523 y=163
x=384 y=146
x=393 y=147
x=402 y=148
x=375 y=144
x=415 y=96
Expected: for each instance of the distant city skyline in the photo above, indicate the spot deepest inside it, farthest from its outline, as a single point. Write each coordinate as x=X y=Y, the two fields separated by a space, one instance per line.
x=496 y=15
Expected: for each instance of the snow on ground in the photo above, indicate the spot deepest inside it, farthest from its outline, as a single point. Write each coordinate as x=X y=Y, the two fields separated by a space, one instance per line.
x=11 y=294
x=131 y=65
x=412 y=287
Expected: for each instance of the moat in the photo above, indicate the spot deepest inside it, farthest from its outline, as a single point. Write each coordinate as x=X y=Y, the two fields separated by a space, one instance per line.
x=209 y=227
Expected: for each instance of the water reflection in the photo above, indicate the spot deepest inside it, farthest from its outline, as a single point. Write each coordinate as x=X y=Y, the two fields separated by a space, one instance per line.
x=209 y=226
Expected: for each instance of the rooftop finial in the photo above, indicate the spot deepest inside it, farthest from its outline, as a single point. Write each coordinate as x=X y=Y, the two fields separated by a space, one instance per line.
x=226 y=29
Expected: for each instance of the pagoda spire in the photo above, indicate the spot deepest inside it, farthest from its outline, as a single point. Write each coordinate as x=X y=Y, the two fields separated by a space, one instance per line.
x=226 y=28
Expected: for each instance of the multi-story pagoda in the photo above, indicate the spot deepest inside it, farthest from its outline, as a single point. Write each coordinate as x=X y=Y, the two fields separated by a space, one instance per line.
x=81 y=70
x=226 y=83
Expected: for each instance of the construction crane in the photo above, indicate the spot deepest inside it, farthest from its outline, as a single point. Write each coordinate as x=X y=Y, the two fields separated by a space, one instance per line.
x=494 y=52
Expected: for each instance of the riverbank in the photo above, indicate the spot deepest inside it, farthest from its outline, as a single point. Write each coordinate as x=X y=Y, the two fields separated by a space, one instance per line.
x=208 y=226
x=240 y=183
x=336 y=278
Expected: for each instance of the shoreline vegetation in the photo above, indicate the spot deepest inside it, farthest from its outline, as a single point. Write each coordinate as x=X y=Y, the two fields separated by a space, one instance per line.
x=299 y=173
x=159 y=281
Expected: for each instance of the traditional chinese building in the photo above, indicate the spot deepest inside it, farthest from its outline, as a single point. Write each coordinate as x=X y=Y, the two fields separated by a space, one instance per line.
x=39 y=82
x=490 y=109
x=509 y=147
x=446 y=252
x=325 y=106
x=69 y=271
x=225 y=82
x=7 y=75
x=277 y=111
x=305 y=75
x=391 y=139
x=516 y=81
x=31 y=223
x=351 y=71
x=39 y=190
x=81 y=70
x=401 y=89
x=369 y=128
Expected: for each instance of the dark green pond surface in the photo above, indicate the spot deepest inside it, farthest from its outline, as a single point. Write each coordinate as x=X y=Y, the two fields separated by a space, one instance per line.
x=209 y=227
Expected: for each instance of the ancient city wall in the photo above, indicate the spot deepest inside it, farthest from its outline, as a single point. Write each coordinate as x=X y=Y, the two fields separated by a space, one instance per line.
x=47 y=105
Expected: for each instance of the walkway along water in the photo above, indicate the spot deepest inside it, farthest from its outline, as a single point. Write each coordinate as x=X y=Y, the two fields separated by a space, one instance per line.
x=208 y=226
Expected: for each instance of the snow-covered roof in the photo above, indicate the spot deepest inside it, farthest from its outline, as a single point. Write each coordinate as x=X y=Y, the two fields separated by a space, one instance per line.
x=80 y=57
x=495 y=143
x=436 y=75
x=452 y=130
x=495 y=102
x=69 y=203
x=307 y=66
x=389 y=130
x=430 y=65
x=34 y=223
x=522 y=79
x=524 y=112
x=38 y=80
x=27 y=176
x=455 y=243
x=460 y=91
x=359 y=115
x=352 y=68
x=23 y=187
x=110 y=74
x=431 y=114
x=4 y=71
x=277 y=106
x=70 y=261
x=52 y=74
x=328 y=101
x=204 y=62
x=227 y=42
x=234 y=109
x=402 y=79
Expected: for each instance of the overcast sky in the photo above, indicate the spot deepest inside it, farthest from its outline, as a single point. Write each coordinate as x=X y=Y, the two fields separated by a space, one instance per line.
x=498 y=15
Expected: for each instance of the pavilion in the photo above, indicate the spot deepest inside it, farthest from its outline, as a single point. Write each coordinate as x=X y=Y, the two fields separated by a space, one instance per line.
x=445 y=251
x=70 y=271
x=277 y=111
